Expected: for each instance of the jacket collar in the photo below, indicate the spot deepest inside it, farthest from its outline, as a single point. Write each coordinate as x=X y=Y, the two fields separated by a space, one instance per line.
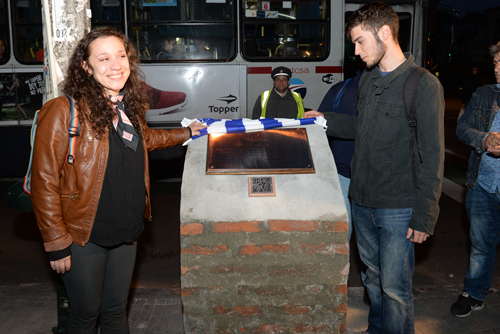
x=495 y=88
x=384 y=82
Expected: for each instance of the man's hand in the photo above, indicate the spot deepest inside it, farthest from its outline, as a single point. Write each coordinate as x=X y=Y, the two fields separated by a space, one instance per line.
x=312 y=113
x=61 y=266
x=492 y=143
x=418 y=237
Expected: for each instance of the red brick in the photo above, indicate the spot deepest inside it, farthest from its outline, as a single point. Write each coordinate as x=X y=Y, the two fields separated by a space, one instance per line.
x=198 y=250
x=341 y=289
x=329 y=227
x=246 y=311
x=342 y=328
x=188 y=291
x=227 y=269
x=188 y=269
x=301 y=309
x=341 y=227
x=191 y=229
x=221 y=310
x=342 y=308
x=293 y=226
x=309 y=329
x=252 y=226
x=256 y=249
x=325 y=249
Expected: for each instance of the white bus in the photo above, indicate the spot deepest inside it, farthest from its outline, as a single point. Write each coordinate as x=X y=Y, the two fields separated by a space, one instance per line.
x=203 y=58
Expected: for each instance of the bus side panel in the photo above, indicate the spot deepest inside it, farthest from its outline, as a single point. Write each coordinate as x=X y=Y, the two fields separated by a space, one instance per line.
x=192 y=91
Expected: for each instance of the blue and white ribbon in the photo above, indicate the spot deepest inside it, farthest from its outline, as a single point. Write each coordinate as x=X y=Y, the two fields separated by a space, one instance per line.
x=248 y=125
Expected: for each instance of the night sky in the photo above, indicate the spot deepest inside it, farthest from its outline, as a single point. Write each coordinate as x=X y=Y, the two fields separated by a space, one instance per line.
x=464 y=6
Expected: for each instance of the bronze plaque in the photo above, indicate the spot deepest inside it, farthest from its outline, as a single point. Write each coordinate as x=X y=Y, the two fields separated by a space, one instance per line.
x=278 y=151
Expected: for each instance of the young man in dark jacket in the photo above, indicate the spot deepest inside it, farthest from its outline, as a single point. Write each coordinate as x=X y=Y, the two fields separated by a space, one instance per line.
x=389 y=212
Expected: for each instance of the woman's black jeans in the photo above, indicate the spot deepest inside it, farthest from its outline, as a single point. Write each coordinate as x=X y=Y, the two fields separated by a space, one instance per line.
x=98 y=285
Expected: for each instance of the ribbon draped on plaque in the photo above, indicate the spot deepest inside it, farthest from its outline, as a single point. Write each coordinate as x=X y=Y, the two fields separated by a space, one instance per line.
x=248 y=125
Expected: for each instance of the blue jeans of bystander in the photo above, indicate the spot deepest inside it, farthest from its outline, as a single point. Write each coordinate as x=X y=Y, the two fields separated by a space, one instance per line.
x=390 y=258
x=483 y=210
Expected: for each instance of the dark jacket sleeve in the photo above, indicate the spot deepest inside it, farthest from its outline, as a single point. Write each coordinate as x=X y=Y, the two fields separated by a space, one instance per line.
x=467 y=128
x=430 y=134
x=341 y=126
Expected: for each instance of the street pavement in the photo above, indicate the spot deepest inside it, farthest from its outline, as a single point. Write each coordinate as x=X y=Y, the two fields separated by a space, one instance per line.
x=28 y=285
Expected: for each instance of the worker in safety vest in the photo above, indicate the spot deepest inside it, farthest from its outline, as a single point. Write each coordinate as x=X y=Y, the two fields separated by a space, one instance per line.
x=279 y=102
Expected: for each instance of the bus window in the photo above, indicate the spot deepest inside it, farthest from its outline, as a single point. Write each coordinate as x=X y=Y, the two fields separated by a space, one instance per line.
x=27 y=24
x=183 y=30
x=157 y=43
x=288 y=30
x=4 y=34
x=107 y=13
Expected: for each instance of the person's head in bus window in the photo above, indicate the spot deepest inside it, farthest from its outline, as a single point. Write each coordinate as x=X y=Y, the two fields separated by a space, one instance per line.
x=370 y=28
x=3 y=49
x=281 y=78
x=201 y=50
x=166 y=49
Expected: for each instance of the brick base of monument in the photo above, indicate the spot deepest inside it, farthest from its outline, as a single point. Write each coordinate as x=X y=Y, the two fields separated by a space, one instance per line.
x=276 y=276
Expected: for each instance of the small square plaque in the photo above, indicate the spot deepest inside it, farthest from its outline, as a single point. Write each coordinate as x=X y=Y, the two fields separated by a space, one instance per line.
x=261 y=186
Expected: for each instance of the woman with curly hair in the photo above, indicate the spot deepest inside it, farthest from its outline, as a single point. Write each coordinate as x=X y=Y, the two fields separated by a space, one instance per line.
x=90 y=211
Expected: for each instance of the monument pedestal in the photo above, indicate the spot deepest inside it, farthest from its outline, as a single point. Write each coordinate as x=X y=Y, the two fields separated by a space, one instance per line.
x=272 y=264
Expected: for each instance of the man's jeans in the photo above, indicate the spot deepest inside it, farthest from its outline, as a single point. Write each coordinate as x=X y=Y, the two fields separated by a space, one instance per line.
x=344 y=186
x=483 y=210
x=390 y=258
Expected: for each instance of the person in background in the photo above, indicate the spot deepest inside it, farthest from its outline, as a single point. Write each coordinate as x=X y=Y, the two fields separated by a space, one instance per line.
x=479 y=128
x=201 y=51
x=390 y=209
x=3 y=50
x=280 y=101
x=91 y=212
x=166 y=48
x=342 y=98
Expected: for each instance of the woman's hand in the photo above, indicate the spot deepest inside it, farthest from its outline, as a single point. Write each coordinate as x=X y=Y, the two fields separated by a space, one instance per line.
x=61 y=266
x=196 y=127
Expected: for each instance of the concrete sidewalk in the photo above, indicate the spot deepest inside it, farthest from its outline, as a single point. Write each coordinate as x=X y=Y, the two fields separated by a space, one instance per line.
x=31 y=309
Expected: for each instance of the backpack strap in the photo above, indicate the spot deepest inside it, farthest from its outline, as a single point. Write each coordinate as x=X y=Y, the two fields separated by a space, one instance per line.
x=341 y=93
x=409 y=94
x=74 y=129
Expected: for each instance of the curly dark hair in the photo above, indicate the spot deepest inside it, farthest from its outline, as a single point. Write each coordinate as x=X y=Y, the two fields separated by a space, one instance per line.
x=372 y=17
x=85 y=89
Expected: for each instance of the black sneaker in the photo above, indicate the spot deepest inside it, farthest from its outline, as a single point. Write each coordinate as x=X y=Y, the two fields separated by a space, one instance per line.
x=465 y=305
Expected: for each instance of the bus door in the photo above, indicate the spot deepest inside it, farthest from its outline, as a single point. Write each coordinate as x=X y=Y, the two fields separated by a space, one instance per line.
x=305 y=36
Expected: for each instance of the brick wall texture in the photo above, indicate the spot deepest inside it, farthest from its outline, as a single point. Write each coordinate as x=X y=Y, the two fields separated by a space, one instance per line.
x=276 y=276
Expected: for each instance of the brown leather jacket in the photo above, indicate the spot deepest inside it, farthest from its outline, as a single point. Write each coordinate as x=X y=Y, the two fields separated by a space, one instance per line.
x=65 y=196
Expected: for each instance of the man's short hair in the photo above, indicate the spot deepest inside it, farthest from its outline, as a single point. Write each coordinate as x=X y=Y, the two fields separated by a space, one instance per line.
x=372 y=17
x=494 y=49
